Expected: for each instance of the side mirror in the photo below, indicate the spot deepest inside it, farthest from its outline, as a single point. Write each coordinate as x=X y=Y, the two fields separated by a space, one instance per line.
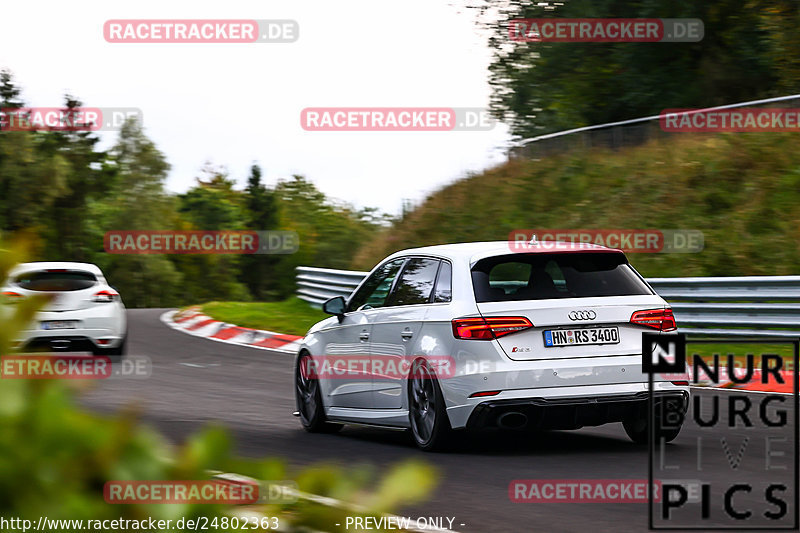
x=335 y=306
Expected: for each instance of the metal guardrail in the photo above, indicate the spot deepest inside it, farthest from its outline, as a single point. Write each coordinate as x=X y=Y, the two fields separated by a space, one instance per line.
x=749 y=306
x=622 y=133
x=315 y=285
x=738 y=306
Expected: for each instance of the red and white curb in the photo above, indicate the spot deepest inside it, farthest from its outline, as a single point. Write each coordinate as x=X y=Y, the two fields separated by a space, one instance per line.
x=193 y=322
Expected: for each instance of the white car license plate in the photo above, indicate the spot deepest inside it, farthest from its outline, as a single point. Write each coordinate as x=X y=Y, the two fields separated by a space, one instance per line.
x=60 y=324
x=582 y=336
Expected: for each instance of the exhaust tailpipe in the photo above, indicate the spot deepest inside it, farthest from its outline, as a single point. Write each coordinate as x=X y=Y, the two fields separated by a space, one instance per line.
x=512 y=420
x=60 y=344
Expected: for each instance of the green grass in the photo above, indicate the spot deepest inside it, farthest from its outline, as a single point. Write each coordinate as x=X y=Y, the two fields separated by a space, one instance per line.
x=292 y=316
x=741 y=190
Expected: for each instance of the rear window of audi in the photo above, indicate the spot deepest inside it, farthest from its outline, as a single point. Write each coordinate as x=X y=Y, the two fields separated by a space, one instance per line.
x=56 y=281
x=546 y=276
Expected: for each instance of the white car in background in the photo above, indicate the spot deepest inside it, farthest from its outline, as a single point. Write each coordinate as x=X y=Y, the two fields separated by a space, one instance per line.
x=546 y=339
x=82 y=313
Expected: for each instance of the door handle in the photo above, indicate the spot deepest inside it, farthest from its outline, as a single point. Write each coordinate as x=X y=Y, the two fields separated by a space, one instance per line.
x=406 y=333
x=364 y=336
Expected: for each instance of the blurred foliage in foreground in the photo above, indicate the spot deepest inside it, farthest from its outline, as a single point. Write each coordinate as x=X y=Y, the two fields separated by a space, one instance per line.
x=55 y=458
x=742 y=190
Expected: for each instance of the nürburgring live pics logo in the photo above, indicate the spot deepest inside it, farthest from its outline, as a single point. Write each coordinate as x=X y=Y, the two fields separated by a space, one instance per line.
x=732 y=467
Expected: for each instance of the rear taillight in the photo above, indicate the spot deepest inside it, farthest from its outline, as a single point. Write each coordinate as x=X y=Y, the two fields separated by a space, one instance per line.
x=12 y=296
x=493 y=327
x=104 y=297
x=660 y=319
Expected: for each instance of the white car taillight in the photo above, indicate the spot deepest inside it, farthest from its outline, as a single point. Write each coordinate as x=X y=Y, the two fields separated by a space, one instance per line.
x=493 y=327
x=661 y=319
x=105 y=297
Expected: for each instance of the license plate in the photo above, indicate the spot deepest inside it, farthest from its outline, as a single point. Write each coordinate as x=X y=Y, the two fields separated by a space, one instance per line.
x=580 y=337
x=60 y=324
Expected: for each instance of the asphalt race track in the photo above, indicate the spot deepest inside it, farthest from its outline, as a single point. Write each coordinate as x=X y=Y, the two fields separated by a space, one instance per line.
x=196 y=381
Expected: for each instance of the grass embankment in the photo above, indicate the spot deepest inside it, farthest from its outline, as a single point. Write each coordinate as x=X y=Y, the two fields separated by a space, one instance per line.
x=741 y=190
x=292 y=316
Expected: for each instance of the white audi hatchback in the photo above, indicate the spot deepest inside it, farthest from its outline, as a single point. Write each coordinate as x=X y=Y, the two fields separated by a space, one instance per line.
x=81 y=313
x=481 y=336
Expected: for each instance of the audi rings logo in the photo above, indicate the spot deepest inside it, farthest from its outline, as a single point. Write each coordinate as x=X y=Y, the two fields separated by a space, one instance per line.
x=582 y=315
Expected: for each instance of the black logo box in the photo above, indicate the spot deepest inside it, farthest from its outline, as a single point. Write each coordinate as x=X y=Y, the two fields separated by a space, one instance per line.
x=675 y=346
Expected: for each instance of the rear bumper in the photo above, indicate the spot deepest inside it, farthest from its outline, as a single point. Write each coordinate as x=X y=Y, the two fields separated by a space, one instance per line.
x=588 y=404
x=566 y=412
x=71 y=341
x=92 y=332
x=64 y=343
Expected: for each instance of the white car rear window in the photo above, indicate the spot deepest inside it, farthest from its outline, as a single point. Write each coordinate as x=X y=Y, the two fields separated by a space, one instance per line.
x=544 y=276
x=56 y=280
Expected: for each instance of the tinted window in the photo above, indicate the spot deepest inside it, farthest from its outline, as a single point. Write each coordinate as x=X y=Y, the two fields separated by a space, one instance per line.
x=444 y=283
x=74 y=280
x=416 y=282
x=509 y=276
x=375 y=290
x=542 y=276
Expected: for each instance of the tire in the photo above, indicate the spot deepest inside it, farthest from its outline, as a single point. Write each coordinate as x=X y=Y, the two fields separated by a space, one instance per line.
x=427 y=415
x=308 y=399
x=118 y=351
x=637 y=430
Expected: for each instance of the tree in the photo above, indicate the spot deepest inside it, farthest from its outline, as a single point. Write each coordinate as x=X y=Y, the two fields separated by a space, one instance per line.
x=750 y=50
x=30 y=180
x=88 y=175
x=137 y=201
x=212 y=204
x=329 y=232
x=9 y=91
x=258 y=270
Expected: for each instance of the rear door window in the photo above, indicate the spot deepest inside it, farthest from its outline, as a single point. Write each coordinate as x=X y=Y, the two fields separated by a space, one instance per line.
x=545 y=276
x=444 y=284
x=415 y=285
x=56 y=281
